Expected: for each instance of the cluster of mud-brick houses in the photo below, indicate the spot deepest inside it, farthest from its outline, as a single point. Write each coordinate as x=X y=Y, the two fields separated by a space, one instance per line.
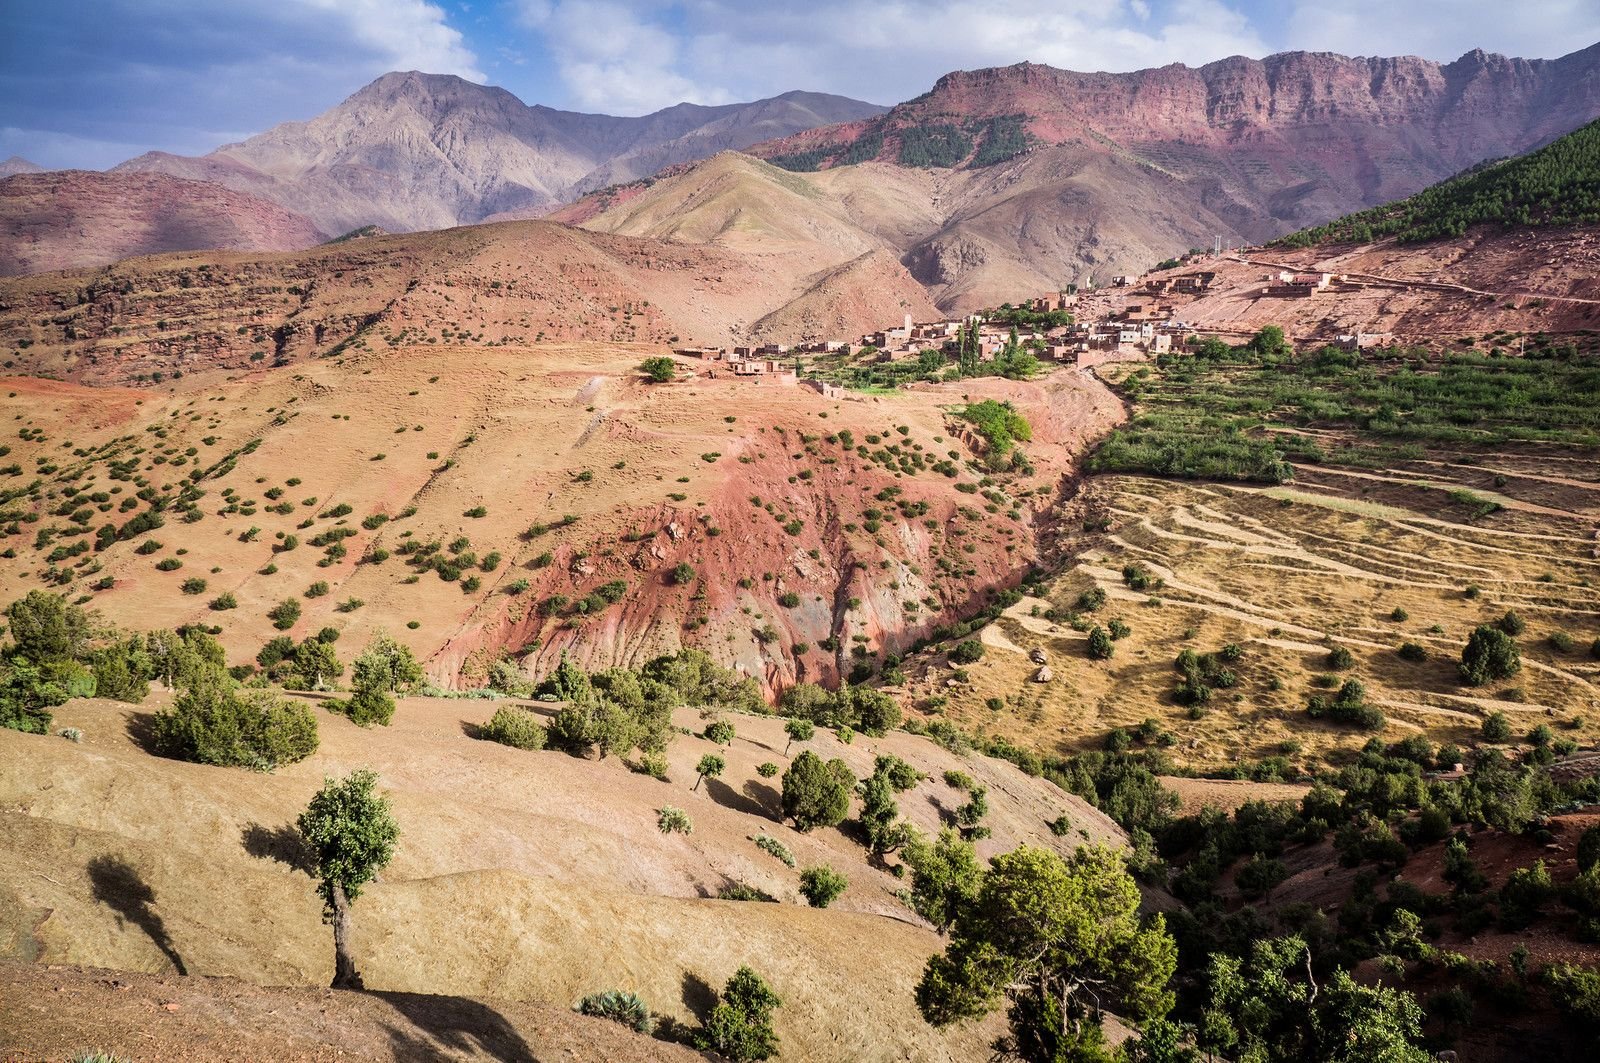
x=1081 y=343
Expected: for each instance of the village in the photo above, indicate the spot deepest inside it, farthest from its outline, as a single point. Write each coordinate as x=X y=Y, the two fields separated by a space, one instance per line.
x=1081 y=326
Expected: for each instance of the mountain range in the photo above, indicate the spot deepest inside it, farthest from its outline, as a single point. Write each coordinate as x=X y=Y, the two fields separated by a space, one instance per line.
x=993 y=184
x=427 y=151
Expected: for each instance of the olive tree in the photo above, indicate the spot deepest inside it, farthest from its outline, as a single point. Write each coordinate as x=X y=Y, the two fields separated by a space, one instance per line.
x=1058 y=939
x=710 y=766
x=353 y=833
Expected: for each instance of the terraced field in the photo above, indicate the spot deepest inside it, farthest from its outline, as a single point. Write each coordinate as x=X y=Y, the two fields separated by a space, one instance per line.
x=1366 y=556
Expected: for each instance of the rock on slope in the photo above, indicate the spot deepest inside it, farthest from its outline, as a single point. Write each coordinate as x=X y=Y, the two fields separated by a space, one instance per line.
x=424 y=151
x=68 y=219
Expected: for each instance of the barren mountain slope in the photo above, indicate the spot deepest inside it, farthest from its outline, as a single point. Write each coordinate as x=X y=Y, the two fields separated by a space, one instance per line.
x=509 y=283
x=425 y=151
x=751 y=485
x=70 y=219
x=519 y=875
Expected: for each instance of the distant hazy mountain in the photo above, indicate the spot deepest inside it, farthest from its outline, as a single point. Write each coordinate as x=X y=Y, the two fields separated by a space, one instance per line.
x=425 y=151
x=17 y=164
x=65 y=219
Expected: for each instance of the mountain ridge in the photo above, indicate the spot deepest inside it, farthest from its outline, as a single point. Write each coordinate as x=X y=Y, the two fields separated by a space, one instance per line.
x=413 y=151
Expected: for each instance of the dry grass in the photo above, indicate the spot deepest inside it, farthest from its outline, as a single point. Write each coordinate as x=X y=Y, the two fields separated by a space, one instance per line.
x=1290 y=573
x=519 y=876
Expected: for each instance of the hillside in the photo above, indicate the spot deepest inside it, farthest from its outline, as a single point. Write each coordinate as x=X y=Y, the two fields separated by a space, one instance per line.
x=70 y=219
x=416 y=151
x=520 y=876
x=878 y=548
x=513 y=283
x=972 y=238
x=1558 y=185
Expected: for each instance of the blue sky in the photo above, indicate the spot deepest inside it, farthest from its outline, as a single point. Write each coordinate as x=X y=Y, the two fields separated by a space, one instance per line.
x=92 y=82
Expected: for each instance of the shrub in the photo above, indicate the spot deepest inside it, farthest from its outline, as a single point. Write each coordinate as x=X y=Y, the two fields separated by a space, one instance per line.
x=193 y=585
x=740 y=1026
x=1411 y=651
x=618 y=1006
x=682 y=574
x=789 y=599
x=674 y=821
x=223 y=602
x=1512 y=624
x=317 y=589
x=776 y=848
x=368 y=706
x=659 y=369
x=285 y=614
x=1489 y=655
x=1339 y=659
x=1100 y=645
x=820 y=886
x=213 y=723
x=1496 y=728
x=817 y=794
x=967 y=652
x=514 y=727
x=767 y=769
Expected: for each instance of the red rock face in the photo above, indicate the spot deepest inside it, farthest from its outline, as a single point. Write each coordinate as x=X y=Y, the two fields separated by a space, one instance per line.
x=1294 y=137
x=70 y=219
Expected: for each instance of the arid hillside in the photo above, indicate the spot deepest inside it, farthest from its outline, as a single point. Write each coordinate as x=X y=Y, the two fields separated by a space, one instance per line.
x=513 y=283
x=519 y=876
x=1490 y=286
x=559 y=493
x=70 y=219
x=974 y=238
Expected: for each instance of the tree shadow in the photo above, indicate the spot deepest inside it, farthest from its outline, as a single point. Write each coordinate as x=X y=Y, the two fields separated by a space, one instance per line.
x=118 y=886
x=728 y=797
x=284 y=844
x=768 y=797
x=699 y=996
x=449 y=1027
x=141 y=731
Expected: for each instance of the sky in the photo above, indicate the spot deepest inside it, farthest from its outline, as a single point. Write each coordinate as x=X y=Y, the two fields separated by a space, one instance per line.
x=89 y=83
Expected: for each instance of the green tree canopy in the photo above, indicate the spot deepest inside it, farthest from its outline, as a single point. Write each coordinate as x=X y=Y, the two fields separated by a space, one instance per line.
x=1060 y=939
x=351 y=830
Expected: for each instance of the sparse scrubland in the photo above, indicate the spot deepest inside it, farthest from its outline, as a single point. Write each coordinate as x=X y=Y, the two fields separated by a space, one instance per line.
x=1271 y=739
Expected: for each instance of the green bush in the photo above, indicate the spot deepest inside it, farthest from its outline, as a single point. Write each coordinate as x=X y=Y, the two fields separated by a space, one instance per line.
x=672 y=820
x=659 y=369
x=285 y=614
x=514 y=727
x=740 y=1026
x=618 y=1006
x=776 y=848
x=817 y=794
x=1489 y=655
x=820 y=886
x=212 y=722
x=969 y=651
x=1496 y=728
x=369 y=706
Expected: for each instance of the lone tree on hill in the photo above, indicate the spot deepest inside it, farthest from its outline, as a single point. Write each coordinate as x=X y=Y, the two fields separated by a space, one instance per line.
x=817 y=794
x=353 y=833
x=710 y=767
x=798 y=731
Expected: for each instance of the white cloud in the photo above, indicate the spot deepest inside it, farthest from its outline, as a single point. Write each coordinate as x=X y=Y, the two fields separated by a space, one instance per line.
x=1444 y=29
x=404 y=35
x=613 y=57
x=633 y=56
